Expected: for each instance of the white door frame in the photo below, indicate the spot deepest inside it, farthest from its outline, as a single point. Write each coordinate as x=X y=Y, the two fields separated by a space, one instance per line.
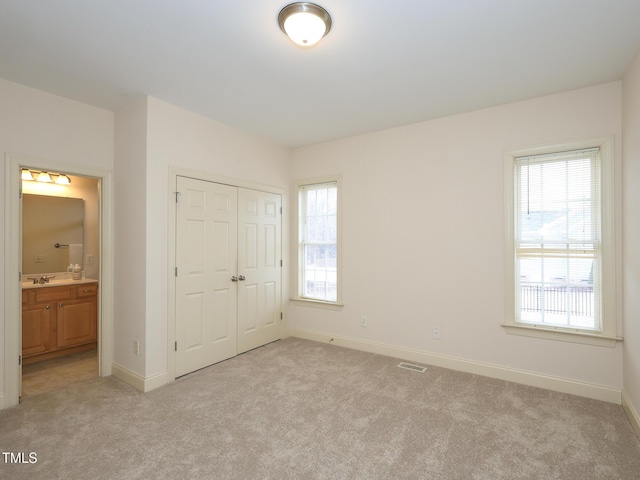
x=175 y=172
x=12 y=248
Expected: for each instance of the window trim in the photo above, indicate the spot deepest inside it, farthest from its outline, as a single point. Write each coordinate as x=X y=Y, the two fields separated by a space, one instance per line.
x=298 y=299
x=607 y=336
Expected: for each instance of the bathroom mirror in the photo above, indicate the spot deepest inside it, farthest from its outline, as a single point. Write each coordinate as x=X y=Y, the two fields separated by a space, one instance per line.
x=47 y=221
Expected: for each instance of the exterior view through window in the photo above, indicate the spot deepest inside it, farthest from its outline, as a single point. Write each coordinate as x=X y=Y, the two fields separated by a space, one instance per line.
x=318 y=210
x=558 y=239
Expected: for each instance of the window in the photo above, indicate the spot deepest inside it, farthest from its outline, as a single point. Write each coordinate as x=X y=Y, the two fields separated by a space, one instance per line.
x=560 y=260
x=318 y=233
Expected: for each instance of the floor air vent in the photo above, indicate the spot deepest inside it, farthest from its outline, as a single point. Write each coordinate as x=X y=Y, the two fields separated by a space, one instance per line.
x=410 y=366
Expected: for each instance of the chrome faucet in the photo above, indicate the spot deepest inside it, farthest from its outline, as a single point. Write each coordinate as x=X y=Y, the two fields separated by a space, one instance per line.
x=42 y=280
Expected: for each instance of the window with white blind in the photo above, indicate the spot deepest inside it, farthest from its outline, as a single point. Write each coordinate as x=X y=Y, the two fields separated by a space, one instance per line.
x=319 y=246
x=560 y=244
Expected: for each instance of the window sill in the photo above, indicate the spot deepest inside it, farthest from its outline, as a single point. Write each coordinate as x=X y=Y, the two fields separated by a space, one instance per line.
x=307 y=302
x=562 y=335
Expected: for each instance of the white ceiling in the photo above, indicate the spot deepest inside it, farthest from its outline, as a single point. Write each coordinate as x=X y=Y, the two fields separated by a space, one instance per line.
x=385 y=63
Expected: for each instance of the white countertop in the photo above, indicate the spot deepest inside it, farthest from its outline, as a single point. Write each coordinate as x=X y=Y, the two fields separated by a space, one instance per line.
x=54 y=282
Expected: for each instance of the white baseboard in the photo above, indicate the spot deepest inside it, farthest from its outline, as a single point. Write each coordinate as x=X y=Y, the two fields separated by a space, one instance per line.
x=596 y=392
x=136 y=381
x=631 y=412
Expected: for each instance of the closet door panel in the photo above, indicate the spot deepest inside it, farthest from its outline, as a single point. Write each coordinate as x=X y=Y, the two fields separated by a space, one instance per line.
x=206 y=258
x=259 y=258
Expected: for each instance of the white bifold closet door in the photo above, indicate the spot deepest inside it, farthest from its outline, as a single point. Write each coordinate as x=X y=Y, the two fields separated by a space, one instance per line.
x=229 y=272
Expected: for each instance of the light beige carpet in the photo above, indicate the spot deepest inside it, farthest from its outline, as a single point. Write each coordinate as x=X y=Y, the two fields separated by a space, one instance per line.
x=297 y=409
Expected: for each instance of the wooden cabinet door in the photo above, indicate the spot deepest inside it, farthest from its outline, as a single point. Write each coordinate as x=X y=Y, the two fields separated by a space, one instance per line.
x=77 y=322
x=37 y=324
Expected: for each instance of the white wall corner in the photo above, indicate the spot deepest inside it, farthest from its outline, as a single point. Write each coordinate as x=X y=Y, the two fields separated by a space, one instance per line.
x=631 y=412
x=143 y=384
x=587 y=390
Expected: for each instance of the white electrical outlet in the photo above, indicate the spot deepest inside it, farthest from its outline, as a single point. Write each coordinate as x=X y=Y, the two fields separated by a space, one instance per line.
x=436 y=332
x=363 y=321
x=89 y=259
x=41 y=258
x=136 y=347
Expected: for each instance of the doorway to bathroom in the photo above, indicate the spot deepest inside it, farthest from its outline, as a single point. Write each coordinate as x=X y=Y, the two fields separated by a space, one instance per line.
x=60 y=272
x=58 y=323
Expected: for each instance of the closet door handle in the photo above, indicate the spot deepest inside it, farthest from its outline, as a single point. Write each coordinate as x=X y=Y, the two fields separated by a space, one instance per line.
x=241 y=277
x=234 y=279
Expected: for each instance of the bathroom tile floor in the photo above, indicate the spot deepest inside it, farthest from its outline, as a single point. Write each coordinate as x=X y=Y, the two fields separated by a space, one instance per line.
x=57 y=373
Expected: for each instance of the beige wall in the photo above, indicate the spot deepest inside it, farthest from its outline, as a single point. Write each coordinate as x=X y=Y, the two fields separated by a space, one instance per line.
x=423 y=233
x=631 y=238
x=178 y=138
x=130 y=214
x=422 y=218
x=35 y=125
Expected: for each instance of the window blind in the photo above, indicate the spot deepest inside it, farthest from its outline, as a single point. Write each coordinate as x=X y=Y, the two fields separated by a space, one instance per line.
x=557 y=239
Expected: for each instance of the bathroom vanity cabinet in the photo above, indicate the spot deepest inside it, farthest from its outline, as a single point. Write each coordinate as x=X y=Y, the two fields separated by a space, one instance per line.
x=57 y=320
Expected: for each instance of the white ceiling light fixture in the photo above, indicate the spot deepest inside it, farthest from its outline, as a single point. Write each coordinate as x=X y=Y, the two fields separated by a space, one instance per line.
x=304 y=23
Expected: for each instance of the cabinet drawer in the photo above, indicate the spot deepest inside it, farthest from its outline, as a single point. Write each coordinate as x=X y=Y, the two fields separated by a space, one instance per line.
x=87 y=290
x=52 y=294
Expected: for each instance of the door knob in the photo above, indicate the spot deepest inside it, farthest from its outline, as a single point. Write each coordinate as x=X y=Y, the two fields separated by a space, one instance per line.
x=241 y=277
x=234 y=279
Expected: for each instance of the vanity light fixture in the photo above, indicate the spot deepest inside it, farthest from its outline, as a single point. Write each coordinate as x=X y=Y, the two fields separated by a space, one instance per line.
x=36 y=175
x=304 y=23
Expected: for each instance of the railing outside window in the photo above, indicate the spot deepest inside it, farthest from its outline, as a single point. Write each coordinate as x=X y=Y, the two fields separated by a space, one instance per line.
x=555 y=303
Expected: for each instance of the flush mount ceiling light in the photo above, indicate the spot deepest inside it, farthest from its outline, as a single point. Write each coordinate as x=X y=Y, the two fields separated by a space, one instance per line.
x=304 y=23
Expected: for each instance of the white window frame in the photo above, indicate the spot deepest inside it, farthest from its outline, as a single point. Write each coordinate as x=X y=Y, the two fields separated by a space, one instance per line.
x=607 y=334
x=299 y=299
